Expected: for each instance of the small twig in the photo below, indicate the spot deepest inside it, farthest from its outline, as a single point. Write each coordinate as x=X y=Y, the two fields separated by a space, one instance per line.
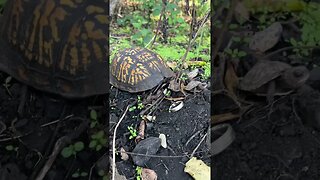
x=191 y=42
x=61 y=143
x=224 y=28
x=195 y=149
x=114 y=142
x=153 y=104
x=164 y=4
x=194 y=135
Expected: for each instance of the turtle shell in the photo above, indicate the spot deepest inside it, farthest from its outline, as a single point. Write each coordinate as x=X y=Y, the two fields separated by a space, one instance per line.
x=262 y=73
x=138 y=69
x=58 y=46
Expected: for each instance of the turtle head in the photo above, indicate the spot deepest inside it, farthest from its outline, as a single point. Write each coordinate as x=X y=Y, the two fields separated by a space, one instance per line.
x=296 y=76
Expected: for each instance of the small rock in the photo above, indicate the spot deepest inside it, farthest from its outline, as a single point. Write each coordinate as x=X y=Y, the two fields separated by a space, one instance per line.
x=148 y=146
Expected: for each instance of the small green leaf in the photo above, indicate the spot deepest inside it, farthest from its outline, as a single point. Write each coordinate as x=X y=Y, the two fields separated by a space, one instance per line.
x=84 y=174
x=98 y=147
x=9 y=147
x=75 y=175
x=101 y=172
x=67 y=152
x=93 y=144
x=78 y=146
x=93 y=114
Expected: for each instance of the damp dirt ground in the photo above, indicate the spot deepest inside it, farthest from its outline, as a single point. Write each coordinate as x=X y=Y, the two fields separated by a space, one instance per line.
x=179 y=127
x=27 y=140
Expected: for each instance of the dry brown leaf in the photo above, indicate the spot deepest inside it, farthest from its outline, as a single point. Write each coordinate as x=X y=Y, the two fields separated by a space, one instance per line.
x=231 y=79
x=266 y=39
x=192 y=84
x=124 y=155
x=241 y=13
x=193 y=73
x=148 y=174
x=172 y=65
x=174 y=85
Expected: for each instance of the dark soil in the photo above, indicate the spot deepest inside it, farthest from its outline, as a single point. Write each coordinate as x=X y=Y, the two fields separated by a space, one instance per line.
x=177 y=126
x=275 y=147
x=26 y=141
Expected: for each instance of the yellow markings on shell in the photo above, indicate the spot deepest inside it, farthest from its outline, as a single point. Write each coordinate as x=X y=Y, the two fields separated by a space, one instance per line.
x=94 y=34
x=101 y=18
x=36 y=17
x=74 y=60
x=97 y=51
x=58 y=14
x=69 y=3
x=154 y=65
x=94 y=9
x=73 y=35
x=42 y=23
x=85 y=55
x=15 y=14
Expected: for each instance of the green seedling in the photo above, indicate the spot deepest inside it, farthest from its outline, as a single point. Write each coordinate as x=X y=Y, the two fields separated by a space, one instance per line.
x=103 y=174
x=12 y=148
x=98 y=140
x=79 y=174
x=140 y=105
x=235 y=53
x=132 y=108
x=94 y=118
x=72 y=149
x=138 y=171
x=133 y=132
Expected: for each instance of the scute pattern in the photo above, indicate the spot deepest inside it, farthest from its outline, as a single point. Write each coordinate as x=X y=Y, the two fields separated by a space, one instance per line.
x=133 y=68
x=65 y=39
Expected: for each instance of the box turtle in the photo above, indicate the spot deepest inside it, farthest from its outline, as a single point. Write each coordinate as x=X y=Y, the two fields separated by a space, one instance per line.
x=269 y=78
x=138 y=69
x=58 y=46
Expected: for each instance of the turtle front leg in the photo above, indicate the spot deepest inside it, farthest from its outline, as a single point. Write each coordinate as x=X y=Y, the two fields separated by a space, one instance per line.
x=270 y=92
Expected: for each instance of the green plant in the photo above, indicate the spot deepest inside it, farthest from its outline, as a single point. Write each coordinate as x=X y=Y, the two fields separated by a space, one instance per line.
x=72 y=149
x=98 y=140
x=133 y=132
x=140 y=105
x=12 y=148
x=132 y=108
x=2 y=2
x=167 y=92
x=78 y=174
x=183 y=77
x=138 y=172
x=103 y=174
x=310 y=21
x=94 y=118
x=235 y=53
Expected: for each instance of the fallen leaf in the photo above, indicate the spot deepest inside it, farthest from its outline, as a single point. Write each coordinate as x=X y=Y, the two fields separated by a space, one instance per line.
x=148 y=174
x=192 y=84
x=193 y=73
x=124 y=155
x=266 y=39
x=172 y=65
x=197 y=169
x=163 y=140
x=174 y=85
x=231 y=79
x=241 y=13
